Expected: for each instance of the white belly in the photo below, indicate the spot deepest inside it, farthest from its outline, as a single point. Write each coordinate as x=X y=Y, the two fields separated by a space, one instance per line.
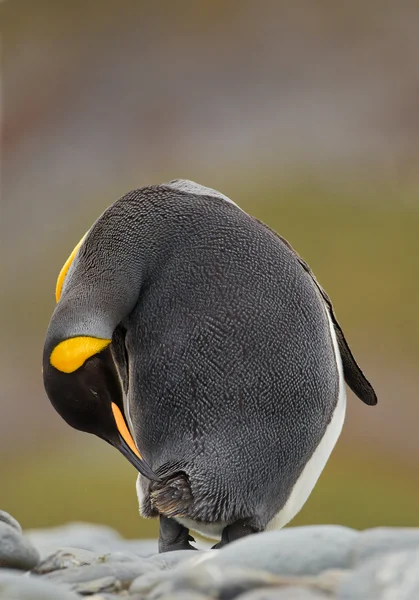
x=210 y=530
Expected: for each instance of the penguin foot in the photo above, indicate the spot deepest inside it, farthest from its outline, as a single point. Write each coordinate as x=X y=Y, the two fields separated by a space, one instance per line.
x=235 y=531
x=173 y=536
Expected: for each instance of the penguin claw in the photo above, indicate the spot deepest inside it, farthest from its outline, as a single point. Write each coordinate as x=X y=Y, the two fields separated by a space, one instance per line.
x=174 y=547
x=233 y=532
x=173 y=536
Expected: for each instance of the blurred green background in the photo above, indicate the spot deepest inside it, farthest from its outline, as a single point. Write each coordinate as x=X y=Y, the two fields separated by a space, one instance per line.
x=307 y=115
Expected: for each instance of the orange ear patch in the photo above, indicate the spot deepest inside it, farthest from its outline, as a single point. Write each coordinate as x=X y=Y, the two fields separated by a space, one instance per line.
x=123 y=430
x=64 y=270
x=69 y=355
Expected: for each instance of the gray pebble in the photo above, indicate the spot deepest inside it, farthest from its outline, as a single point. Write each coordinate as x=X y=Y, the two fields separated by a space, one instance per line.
x=49 y=550
x=104 y=584
x=161 y=567
x=147 y=582
x=168 y=560
x=124 y=572
x=117 y=557
x=328 y=581
x=16 y=552
x=53 y=558
x=389 y=577
x=287 y=593
x=141 y=548
x=106 y=596
x=292 y=551
x=97 y=538
x=183 y=596
x=6 y=518
x=227 y=582
x=215 y=581
x=381 y=540
x=20 y=587
x=65 y=558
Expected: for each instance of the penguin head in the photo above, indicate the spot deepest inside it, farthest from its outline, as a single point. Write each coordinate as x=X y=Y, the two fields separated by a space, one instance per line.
x=79 y=372
x=90 y=398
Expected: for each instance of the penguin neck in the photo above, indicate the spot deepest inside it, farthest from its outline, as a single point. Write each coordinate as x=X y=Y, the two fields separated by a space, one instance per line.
x=105 y=279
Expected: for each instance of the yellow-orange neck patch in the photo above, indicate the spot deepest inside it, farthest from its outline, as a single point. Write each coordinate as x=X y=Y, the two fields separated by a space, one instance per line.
x=64 y=270
x=71 y=354
x=123 y=430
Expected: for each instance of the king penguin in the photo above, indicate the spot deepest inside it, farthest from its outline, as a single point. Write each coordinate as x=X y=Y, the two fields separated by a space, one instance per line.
x=196 y=341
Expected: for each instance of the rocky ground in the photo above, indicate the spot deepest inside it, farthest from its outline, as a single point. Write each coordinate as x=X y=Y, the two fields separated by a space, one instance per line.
x=297 y=563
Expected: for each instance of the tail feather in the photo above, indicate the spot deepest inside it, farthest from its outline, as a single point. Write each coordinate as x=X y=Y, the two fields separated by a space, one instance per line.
x=172 y=496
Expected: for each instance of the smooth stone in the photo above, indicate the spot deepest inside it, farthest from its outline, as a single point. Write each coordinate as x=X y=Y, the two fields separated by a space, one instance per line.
x=124 y=572
x=215 y=581
x=227 y=582
x=117 y=557
x=141 y=548
x=6 y=518
x=386 y=577
x=293 y=551
x=96 y=538
x=81 y=556
x=106 y=596
x=287 y=593
x=145 y=583
x=20 y=587
x=328 y=581
x=168 y=560
x=104 y=584
x=65 y=558
x=382 y=540
x=47 y=551
x=16 y=552
x=182 y=596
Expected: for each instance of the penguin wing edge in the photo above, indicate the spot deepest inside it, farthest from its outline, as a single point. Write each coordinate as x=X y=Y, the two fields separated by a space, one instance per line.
x=354 y=376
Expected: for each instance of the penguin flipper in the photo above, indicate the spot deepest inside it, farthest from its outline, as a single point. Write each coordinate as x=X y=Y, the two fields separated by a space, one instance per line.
x=354 y=376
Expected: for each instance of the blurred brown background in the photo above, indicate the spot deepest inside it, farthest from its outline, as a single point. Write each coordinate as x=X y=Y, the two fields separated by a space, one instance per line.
x=304 y=113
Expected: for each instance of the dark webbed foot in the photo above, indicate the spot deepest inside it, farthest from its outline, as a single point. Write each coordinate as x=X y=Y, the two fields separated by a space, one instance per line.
x=235 y=531
x=173 y=536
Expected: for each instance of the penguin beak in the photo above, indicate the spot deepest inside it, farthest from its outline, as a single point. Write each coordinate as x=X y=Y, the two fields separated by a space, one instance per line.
x=139 y=463
x=89 y=398
x=126 y=445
